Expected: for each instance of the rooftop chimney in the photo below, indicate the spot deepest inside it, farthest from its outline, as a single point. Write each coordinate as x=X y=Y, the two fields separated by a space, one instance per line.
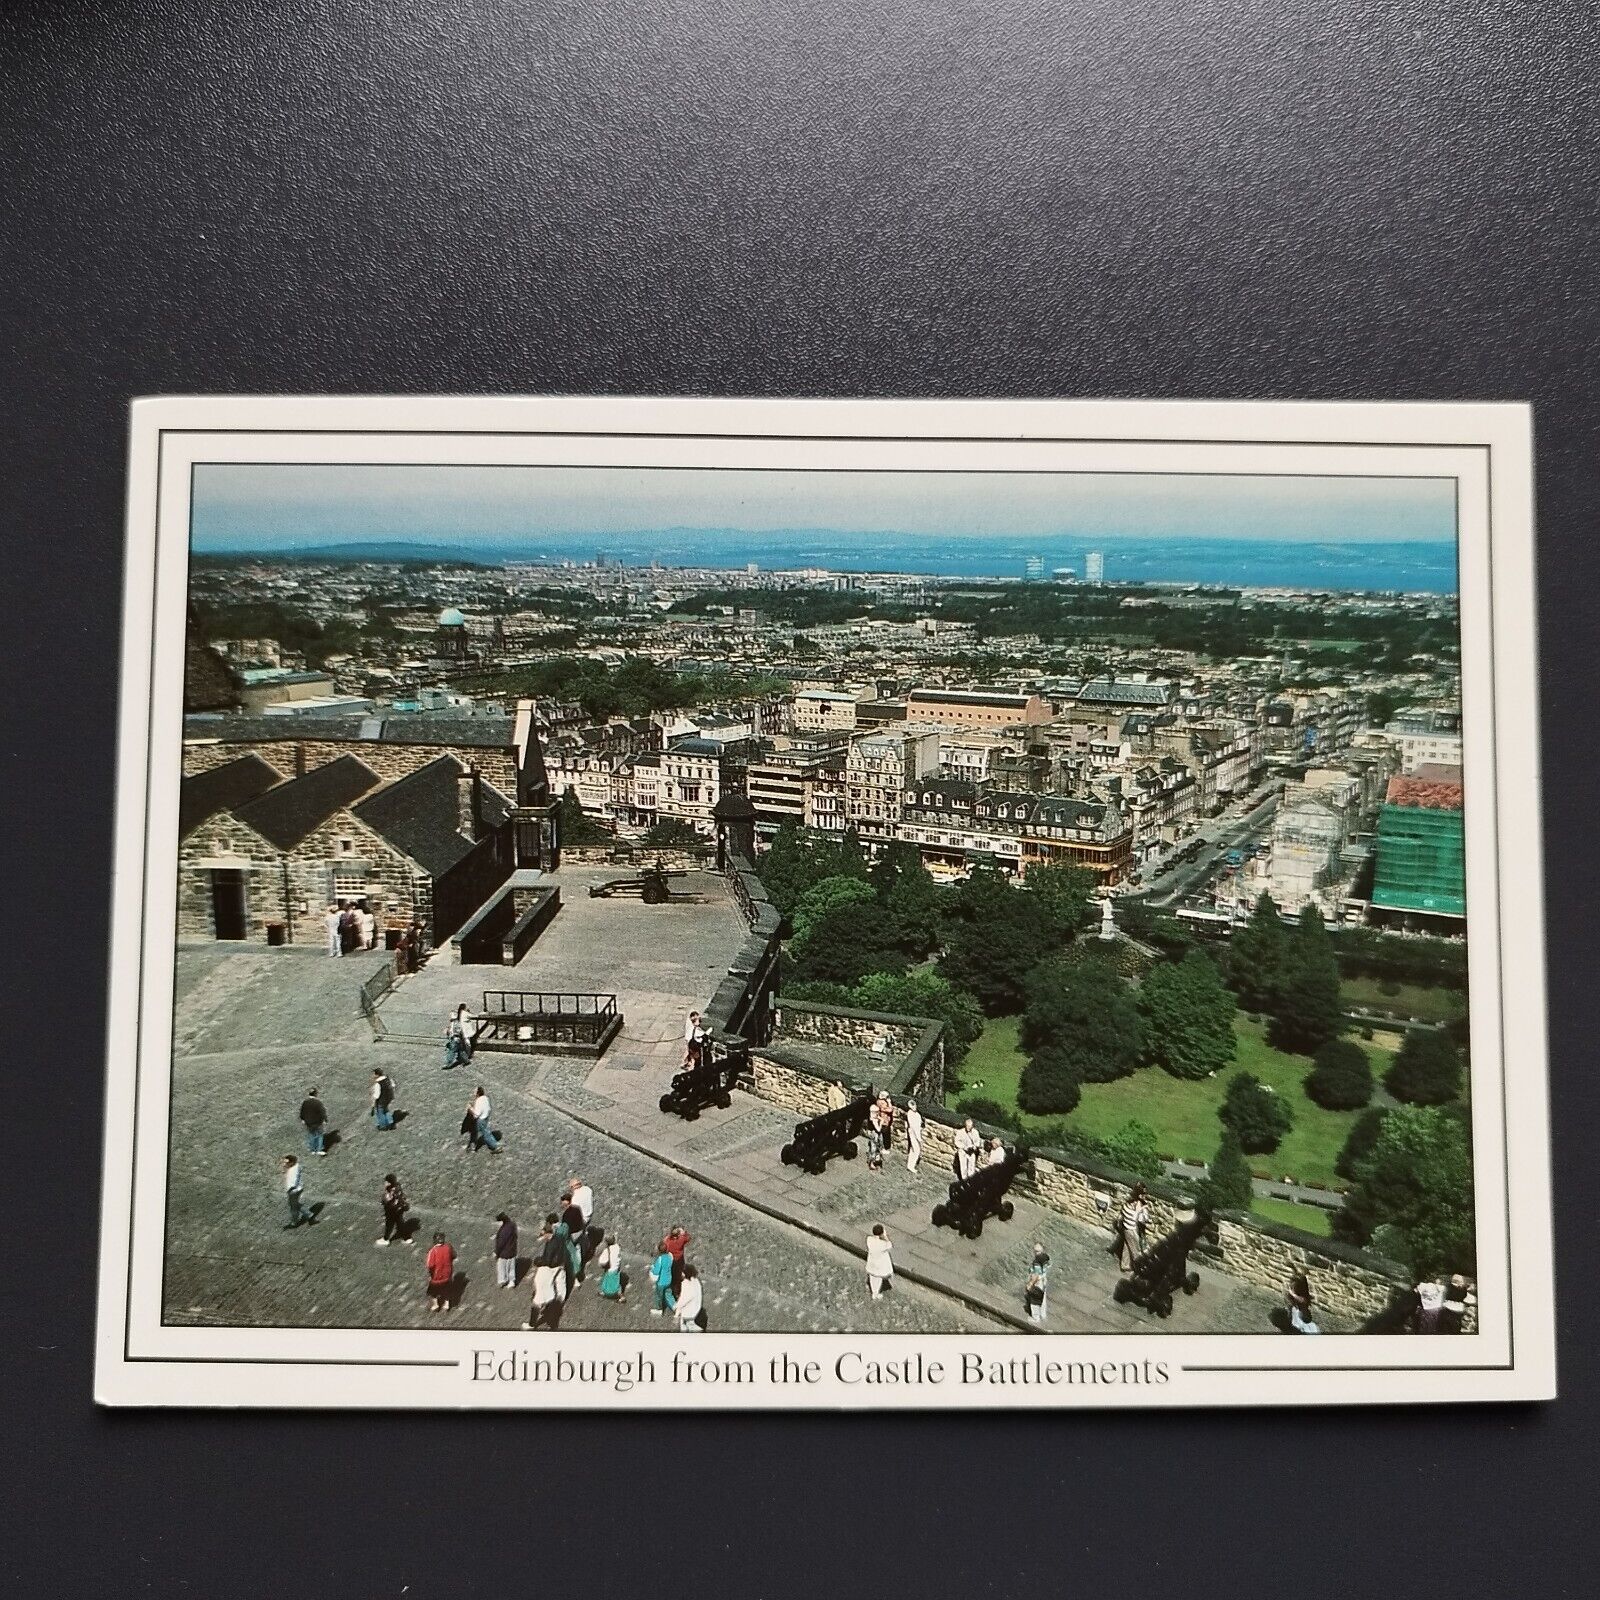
x=467 y=795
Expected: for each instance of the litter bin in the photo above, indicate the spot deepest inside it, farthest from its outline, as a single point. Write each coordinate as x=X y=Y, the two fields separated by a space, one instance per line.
x=276 y=932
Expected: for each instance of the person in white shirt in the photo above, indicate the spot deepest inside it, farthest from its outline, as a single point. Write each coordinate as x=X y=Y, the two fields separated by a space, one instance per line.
x=482 y=1113
x=693 y=1038
x=582 y=1198
x=331 y=923
x=880 y=1261
x=369 y=928
x=913 y=1136
x=294 y=1193
x=690 y=1300
x=997 y=1152
x=968 y=1143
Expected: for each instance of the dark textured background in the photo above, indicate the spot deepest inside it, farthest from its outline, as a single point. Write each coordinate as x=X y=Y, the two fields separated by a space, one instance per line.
x=1345 y=199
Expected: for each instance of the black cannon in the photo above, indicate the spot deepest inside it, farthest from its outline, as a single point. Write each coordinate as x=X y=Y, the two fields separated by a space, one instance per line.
x=830 y=1133
x=709 y=1082
x=1399 y=1316
x=982 y=1195
x=1163 y=1269
x=653 y=886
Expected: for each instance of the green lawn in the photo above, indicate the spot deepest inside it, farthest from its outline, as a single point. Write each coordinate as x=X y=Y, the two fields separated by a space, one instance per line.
x=1308 y=1219
x=1183 y=1114
x=1426 y=1003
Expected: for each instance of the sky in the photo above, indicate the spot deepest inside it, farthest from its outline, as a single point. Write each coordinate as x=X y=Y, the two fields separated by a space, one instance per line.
x=281 y=507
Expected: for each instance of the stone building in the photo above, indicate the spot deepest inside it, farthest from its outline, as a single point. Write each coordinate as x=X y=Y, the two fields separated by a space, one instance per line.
x=986 y=710
x=430 y=845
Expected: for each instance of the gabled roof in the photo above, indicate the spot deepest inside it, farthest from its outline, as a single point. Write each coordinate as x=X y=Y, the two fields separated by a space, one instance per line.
x=285 y=815
x=420 y=814
x=223 y=788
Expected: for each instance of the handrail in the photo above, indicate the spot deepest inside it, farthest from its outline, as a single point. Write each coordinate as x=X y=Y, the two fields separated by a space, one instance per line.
x=530 y=1003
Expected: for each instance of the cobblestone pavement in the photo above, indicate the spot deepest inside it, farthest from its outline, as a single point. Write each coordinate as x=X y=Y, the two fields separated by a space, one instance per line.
x=780 y=1248
x=231 y=1261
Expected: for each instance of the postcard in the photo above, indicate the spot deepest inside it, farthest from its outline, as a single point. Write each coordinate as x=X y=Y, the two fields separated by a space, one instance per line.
x=713 y=903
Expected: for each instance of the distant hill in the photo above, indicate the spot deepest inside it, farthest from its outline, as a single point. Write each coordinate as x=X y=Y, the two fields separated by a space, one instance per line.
x=390 y=552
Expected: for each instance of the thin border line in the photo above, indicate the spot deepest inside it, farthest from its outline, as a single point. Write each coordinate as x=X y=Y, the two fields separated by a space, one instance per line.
x=749 y=437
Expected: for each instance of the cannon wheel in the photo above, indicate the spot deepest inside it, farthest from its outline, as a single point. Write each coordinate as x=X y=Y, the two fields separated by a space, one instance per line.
x=666 y=1102
x=1006 y=1211
x=724 y=1100
x=1162 y=1305
x=786 y=1155
x=973 y=1228
x=1191 y=1283
x=817 y=1165
x=653 y=894
x=941 y=1215
x=1123 y=1292
x=849 y=1151
x=691 y=1113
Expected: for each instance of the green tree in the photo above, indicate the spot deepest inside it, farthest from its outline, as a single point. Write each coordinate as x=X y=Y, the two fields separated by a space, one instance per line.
x=1426 y=1070
x=1256 y=1116
x=1133 y=1148
x=1307 y=1013
x=1051 y=1084
x=922 y=993
x=1086 y=1013
x=1415 y=1184
x=1188 y=1016
x=1066 y=893
x=1359 y=1141
x=846 y=943
x=1341 y=1076
x=1227 y=1185
x=1257 y=957
x=577 y=826
x=786 y=869
x=673 y=833
x=990 y=954
x=907 y=891
x=822 y=898
x=1381 y=707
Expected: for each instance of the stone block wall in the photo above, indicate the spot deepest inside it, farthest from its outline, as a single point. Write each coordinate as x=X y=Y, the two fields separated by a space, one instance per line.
x=1351 y=1284
x=223 y=841
x=860 y=1030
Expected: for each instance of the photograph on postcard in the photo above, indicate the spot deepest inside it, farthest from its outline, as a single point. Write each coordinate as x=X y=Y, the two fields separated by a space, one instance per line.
x=621 y=881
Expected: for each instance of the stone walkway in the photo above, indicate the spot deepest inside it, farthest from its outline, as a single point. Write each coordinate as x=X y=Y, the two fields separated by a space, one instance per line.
x=783 y=1249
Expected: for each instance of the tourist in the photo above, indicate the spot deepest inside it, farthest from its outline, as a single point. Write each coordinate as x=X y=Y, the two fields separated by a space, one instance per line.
x=505 y=1251
x=661 y=1271
x=1132 y=1220
x=349 y=930
x=331 y=923
x=481 y=1114
x=882 y=1117
x=314 y=1116
x=561 y=1231
x=613 y=1281
x=382 y=1094
x=997 y=1152
x=294 y=1192
x=693 y=1034
x=366 y=926
x=968 y=1143
x=1297 y=1299
x=403 y=954
x=874 y=1139
x=1036 y=1291
x=548 y=1292
x=880 y=1261
x=913 y=1136
x=675 y=1243
x=582 y=1197
x=1431 y=1304
x=395 y=1205
x=441 y=1265
x=572 y=1220
x=419 y=944
x=691 y=1303
x=1453 y=1313
x=459 y=1034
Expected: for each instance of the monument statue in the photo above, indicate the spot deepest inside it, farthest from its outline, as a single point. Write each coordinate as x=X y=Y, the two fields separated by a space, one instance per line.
x=1108 y=928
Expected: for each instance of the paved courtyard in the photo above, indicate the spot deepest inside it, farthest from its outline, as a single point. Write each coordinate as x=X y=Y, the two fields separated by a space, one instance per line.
x=780 y=1249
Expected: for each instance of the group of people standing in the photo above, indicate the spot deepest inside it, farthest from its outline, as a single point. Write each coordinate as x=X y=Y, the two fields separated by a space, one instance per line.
x=675 y=1286
x=350 y=927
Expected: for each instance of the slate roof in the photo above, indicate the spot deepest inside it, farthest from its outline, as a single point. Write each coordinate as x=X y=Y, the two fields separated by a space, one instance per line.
x=409 y=727
x=223 y=788
x=419 y=814
x=970 y=697
x=285 y=815
x=1110 y=691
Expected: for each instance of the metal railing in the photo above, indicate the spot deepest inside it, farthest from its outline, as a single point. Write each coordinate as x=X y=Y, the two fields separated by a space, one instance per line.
x=522 y=1017
x=525 y=1003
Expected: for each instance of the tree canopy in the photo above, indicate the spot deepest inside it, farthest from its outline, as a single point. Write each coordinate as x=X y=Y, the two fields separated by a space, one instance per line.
x=1426 y=1070
x=1084 y=1011
x=1188 y=1016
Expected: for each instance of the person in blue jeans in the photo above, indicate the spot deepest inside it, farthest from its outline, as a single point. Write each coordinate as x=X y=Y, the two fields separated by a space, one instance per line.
x=294 y=1192
x=382 y=1100
x=661 y=1297
x=314 y=1117
x=481 y=1113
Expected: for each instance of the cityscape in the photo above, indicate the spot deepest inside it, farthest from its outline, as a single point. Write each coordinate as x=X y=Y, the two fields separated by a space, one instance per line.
x=1153 y=886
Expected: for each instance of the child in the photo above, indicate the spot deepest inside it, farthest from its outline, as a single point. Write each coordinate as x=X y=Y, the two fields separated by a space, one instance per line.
x=662 y=1299
x=612 y=1285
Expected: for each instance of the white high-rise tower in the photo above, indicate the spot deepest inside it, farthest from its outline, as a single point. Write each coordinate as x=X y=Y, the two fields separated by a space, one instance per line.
x=1094 y=566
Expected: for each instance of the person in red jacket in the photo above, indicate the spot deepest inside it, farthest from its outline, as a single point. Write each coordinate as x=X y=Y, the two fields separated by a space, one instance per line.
x=441 y=1266
x=675 y=1243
